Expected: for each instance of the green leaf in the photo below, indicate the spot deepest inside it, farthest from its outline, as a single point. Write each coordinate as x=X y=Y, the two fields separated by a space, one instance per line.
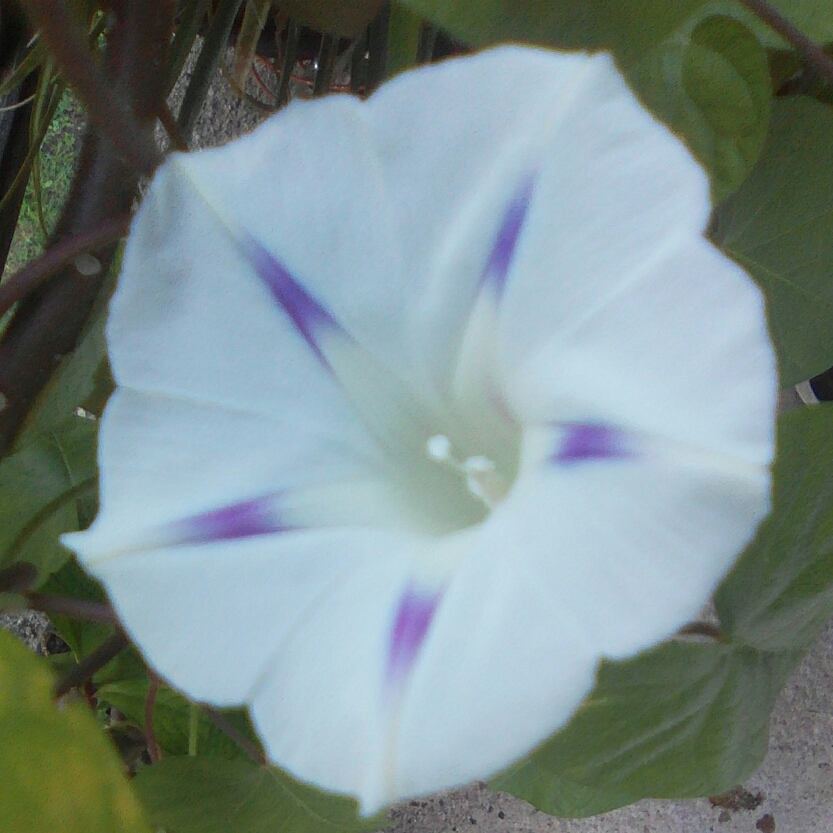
x=84 y=637
x=58 y=771
x=681 y=720
x=780 y=593
x=629 y=29
x=404 y=28
x=83 y=374
x=73 y=582
x=556 y=795
x=814 y=18
x=245 y=50
x=706 y=76
x=171 y=714
x=779 y=226
x=619 y=25
x=46 y=488
x=209 y=795
x=712 y=86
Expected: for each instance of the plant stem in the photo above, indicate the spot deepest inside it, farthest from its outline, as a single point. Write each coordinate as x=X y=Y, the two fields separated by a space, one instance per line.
x=221 y=723
x=47 y=323
x=64 y=252
x=326 y=65
x=293 y=38
x=111 y=114
x=46 y=512
x=193 y=728
x=793 y=36
x=212 y=53
x=72 y=608
x=88 y=666
x=168 y=121
x=150 y=702
x=18 y=577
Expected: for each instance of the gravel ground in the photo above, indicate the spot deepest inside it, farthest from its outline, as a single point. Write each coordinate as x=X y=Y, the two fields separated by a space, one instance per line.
x=30 y=627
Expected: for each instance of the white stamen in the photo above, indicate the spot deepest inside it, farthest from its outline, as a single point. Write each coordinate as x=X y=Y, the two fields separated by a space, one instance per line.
x=483 y=481
x=478 y=464
x=439 y=447
x=478 y=471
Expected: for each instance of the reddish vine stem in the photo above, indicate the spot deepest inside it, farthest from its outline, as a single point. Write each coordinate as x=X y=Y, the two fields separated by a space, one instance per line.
x=18 y=577
x=814 y=56
x=221 y=723
x=109 y=112
x=72 y=608
x=64 y=252
x=167 y=120
x=150 y=702
x=88 y=666
x=47 y=322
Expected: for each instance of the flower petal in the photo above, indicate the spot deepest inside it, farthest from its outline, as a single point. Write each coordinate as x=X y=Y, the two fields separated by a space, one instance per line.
x=192 y=319
x=583 y=441
x=414 y=252
x=643 y=361
x=612 y=191
x=325 y=707
x=222 y=612
x=593 y=559
x=166 y=459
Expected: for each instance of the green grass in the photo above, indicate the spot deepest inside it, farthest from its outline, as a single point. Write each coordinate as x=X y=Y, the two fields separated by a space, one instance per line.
x=58 y=156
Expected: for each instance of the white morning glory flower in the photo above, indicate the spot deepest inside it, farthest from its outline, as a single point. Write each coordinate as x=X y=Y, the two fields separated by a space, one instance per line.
x=424 y=405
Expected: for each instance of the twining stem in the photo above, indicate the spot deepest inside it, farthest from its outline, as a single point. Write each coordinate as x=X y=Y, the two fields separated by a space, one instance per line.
x=221 y=723
x=45 y=512
x=814 y=56
x=47 y=323
x=63 y=252
x=211 y=54
x=92 y=663
x=293 y=39
x=167 y=120
x=150 y=702
x=18 y=577
x=110 y=113
x=193 y=728
x=15 y=153
x=187 y=29
x=72 y=608
x=326 y=66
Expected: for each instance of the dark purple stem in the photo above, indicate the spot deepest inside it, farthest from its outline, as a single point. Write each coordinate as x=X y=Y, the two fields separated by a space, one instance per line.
x=221 y=723
x=95 y=661
x=150 y=702
x=110 y=113
x=47 y=323
x=814 y=56
x=72 y=608
x=36 y=273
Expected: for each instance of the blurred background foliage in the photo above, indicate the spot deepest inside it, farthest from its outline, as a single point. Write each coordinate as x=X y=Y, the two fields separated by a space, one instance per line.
x=86 y=114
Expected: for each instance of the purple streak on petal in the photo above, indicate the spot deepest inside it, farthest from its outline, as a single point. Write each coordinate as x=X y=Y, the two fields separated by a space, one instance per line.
x=500 y=259
x=228 y=523
x=582 y=441
x=308 y=316
x=413 y=618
